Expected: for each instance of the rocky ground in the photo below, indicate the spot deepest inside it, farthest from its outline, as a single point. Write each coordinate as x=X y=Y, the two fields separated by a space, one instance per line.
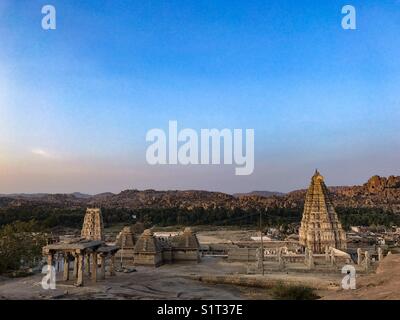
x=177 y=281
x=213 y=278
x=382 y=285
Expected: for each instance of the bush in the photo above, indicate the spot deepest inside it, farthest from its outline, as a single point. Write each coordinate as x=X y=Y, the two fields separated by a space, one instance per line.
x=292 y=292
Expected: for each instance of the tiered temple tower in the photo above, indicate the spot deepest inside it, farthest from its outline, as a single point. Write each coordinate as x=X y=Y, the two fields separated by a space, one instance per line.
x=320 y=227
x=92 y=228
x=126 y=240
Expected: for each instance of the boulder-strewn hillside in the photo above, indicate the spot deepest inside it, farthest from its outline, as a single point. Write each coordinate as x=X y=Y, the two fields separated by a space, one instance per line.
x=378 y=192
x=260 y=193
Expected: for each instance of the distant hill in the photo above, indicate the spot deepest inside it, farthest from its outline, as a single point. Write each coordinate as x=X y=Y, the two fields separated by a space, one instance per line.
x=81 y=195
x=260 y=193
x=41 y=195
x=24 y=195
x=378 y=192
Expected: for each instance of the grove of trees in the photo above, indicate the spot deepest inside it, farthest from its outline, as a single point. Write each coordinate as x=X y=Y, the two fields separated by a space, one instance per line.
x=56 y=217
x=20 y=245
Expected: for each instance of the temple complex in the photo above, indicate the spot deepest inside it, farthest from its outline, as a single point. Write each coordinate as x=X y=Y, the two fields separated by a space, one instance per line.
x=320 y=227
x=151 y=250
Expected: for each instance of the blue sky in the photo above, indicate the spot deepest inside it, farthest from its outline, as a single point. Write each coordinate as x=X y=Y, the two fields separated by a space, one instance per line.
x=76 y=102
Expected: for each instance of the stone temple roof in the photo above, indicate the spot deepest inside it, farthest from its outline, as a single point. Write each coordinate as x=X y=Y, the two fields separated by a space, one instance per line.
x=147 y=243
x=77 y=245
x=187 y=239
x=128 y=236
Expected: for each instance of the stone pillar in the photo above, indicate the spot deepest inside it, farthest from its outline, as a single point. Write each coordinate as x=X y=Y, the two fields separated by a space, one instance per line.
x=87 y=264
x=50 y=259
x=66 y=267
x=327 y=254
x=112 y=265
x=359 y=256
x=333 y=259
x=94 y=266
x=76 y=262
x=79 y=280
x=55 y=262
x=305 y=255
x=380 y=254
x=310 y=260
x=258 y=257
x=281 y=261
x=102 y=267
x=366 y=261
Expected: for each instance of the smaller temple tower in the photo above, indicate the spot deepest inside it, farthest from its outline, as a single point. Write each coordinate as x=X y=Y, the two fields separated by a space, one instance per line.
x=148 y=251
x=92 y=228
x=185 y=247
x=126 y=240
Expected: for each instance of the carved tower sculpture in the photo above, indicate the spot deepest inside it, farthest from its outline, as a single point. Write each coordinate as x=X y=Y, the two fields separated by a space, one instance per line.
x=92 y=228
x=320 y=227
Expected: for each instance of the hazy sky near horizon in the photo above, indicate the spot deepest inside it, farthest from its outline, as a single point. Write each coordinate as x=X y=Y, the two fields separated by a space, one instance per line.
x=76 y=102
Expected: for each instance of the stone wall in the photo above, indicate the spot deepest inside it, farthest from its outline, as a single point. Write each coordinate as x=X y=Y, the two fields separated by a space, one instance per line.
x=148 y=259
x=185 y=255
x=242 y=254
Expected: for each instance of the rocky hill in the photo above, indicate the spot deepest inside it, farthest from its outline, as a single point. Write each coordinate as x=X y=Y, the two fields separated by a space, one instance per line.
x=260 y=193
x=377 y=192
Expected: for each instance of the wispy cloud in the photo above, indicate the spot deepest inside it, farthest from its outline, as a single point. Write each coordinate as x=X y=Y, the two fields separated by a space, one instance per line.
x=43 y=153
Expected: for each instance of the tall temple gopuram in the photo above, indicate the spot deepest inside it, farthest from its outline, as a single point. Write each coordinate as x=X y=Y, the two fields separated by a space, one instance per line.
x=320 y=227
x=92 y=228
